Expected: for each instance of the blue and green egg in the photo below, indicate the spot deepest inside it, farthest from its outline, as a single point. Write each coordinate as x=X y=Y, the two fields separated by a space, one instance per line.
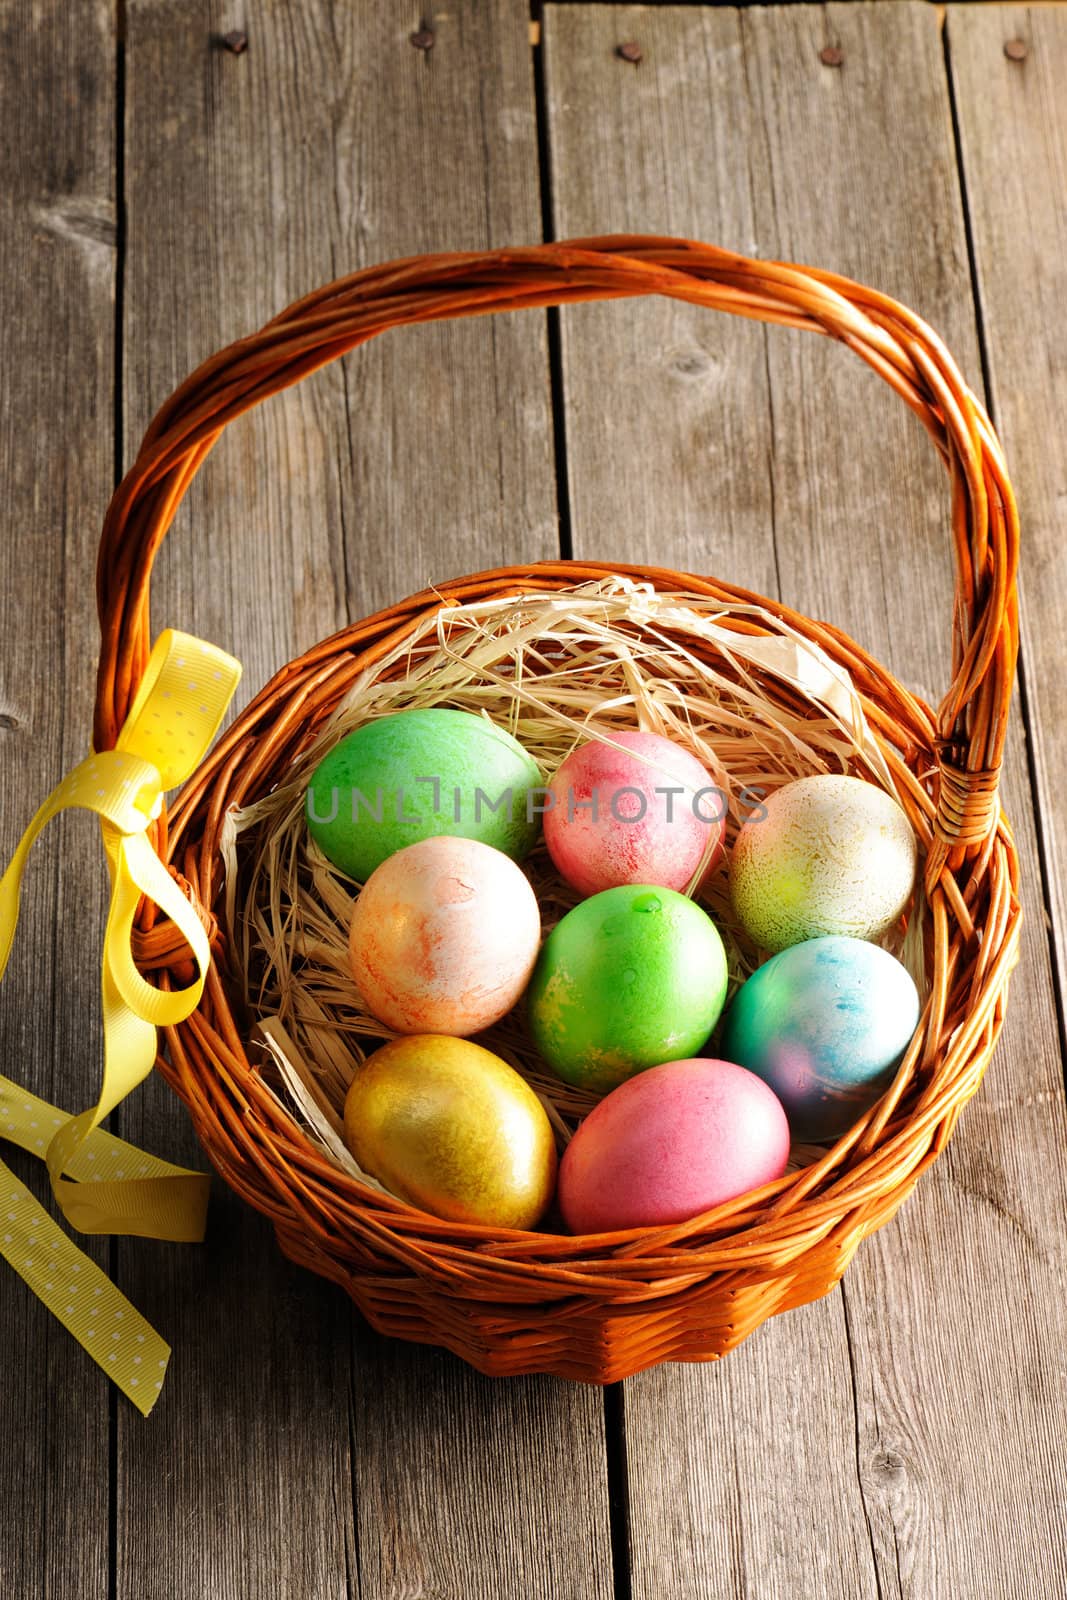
x=825 y=1024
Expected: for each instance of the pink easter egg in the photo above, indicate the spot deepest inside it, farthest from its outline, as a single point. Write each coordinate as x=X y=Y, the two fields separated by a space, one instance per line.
x=444 y=937
x=670 y=1143
x=611 y=819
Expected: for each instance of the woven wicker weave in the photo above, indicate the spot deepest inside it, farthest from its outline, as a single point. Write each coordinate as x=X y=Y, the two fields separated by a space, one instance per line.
x=593 y=1309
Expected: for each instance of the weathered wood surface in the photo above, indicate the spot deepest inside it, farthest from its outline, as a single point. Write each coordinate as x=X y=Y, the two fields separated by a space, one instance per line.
x=358 y=1466
x=901 y=1438
x=854 y=1447
x=1013 y=134
x=57 y=277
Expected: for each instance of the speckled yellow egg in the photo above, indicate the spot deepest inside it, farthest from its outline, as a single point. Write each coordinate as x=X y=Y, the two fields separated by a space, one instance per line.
x=444 y=937
x=451 y=1128
x=823 y=855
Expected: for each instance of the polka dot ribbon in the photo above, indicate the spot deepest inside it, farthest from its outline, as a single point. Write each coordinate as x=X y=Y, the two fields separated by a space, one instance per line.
x=101 y=1184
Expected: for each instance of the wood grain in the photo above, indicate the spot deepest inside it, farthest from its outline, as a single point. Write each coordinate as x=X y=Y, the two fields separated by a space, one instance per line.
x=666 y=415
x=1013 y=134
x=678 y=469
x=307 y=1456
x=57 y=276
x=731 y=128
x=901 y=1438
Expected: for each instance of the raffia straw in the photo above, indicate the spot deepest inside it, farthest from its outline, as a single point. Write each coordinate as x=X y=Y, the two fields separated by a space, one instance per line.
x=553 y=669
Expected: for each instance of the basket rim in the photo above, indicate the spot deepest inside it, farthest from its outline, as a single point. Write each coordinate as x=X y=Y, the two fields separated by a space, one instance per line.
x=862 y=1177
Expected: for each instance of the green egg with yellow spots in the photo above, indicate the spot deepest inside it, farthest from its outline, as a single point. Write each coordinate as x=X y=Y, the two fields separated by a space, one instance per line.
x=630 y=978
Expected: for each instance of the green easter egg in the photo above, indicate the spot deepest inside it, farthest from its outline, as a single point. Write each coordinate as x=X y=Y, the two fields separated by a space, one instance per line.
x=630 y=978
x=416 y=775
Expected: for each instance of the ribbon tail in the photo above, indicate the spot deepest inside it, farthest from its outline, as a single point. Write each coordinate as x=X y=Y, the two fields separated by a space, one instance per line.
x=80 y=1295
x=121 y=1189
x=166 y=1202
x=172 y=1208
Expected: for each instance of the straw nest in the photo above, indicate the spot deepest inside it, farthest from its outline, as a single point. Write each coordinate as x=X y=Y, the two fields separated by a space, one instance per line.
x=754 y=700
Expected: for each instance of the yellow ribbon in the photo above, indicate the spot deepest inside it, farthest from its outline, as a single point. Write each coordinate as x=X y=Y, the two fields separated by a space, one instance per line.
x=101 y=1184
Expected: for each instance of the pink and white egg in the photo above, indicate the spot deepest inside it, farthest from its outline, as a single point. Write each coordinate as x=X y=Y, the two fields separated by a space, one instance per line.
x=671 y=1143
x=641 y=809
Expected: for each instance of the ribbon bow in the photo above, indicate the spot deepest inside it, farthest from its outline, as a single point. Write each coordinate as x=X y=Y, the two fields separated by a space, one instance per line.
x=101 y=1184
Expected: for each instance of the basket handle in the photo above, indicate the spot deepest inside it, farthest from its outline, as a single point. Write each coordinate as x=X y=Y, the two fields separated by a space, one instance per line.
x=972 y=716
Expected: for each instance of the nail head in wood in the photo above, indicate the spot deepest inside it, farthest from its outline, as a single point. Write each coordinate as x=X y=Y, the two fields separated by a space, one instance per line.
x=831 y=55
x=1016 y=50
x=422 y=39
x=630 y=51
x=235 y=42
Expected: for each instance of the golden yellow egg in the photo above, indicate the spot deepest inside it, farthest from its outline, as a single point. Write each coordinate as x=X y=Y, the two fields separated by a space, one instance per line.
x=449 y=1127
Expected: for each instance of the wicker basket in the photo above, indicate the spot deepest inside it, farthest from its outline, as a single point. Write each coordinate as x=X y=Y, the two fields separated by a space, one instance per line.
x=592 y=1309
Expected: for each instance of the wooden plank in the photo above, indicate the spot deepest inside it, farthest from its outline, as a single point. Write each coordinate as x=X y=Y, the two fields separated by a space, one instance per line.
x=1013 y=135
x=626 y=155
x=307 y=1460
x=676 y=470
x=731 y=128
x=57 y=275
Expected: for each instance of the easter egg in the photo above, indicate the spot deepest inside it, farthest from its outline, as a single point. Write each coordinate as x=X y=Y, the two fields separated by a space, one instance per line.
x=444 y=937
x=825 y=1023
x=451 y=1128
x=669 y=1144
x=414 y=775
x=631 y=977
x=641 y=814
x=822 y=855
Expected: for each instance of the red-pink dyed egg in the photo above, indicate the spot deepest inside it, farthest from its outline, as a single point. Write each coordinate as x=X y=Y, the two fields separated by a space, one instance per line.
x=642 y=814
x=444 y=937
x=670 y=1143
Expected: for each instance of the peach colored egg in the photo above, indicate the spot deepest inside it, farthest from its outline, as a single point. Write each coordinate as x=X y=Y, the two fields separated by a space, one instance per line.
x=671 y=1143
x=642 y=814
x=444 y=937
